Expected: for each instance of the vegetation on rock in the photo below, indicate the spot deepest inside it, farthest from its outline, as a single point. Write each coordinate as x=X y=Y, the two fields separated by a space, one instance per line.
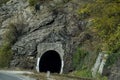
x=5 y=55
x=78 y=58
x=105 y=17
x=13 y=31
x=32 y=2
x=5 y=50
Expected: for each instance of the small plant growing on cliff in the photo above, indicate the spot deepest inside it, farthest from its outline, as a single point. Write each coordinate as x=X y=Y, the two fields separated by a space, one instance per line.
x=5 y=55
x=83 y=73
x=10 y=36
x=9 y=39
x=78 y=58
x=99 y=77
x=14 y=30
x=32 y=2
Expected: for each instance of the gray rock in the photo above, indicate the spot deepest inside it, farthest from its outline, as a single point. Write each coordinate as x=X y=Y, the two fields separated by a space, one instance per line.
x=57 y=25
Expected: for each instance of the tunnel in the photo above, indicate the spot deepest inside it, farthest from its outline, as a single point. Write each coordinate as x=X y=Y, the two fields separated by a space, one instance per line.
x=50 y=61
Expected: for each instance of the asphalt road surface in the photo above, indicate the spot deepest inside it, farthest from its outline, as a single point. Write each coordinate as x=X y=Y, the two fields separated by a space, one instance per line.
x=8 y=77
x=11 y=76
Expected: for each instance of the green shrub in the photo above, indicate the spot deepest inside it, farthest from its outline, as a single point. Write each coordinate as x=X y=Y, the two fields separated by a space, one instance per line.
x=112 y=59
x=32 y=2
x=78 y=58
x=5 y=55
x=83 y=73
x=100 y=77
x=87 y=74
x=9 y=38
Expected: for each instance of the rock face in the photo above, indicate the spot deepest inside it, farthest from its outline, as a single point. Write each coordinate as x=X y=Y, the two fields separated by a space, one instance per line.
x=49 y=25
x=55 y=23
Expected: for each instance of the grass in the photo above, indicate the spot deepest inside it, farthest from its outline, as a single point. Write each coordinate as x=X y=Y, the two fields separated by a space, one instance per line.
x=54 y=76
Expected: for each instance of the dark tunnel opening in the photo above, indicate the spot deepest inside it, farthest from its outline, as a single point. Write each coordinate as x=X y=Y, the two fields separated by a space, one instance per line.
x=50 y=61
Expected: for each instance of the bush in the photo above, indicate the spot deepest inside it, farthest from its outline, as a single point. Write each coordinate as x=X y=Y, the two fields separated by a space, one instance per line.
x=78 y=58
x=9 y=38
x=112 y=58
x=99 y=77
x=32 y=2
x=83 y=73
x=5 y=55
x=87 y=74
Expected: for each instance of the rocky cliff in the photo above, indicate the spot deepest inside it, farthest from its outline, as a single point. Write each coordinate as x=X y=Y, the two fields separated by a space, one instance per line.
x=55 y=22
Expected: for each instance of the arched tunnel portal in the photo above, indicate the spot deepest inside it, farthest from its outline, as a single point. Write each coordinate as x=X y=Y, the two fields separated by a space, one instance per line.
x=50 y=61
x=50 y=57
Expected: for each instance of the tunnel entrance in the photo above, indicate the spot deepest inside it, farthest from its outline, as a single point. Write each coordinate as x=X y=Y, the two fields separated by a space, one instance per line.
x=50 y=61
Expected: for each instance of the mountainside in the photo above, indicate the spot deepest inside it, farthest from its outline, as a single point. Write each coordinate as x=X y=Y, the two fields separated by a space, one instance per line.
x=78 y=29
x=53 y=23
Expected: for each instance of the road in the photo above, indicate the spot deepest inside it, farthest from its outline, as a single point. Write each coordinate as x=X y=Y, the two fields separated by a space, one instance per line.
x=5 y=75
x=8 y=77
